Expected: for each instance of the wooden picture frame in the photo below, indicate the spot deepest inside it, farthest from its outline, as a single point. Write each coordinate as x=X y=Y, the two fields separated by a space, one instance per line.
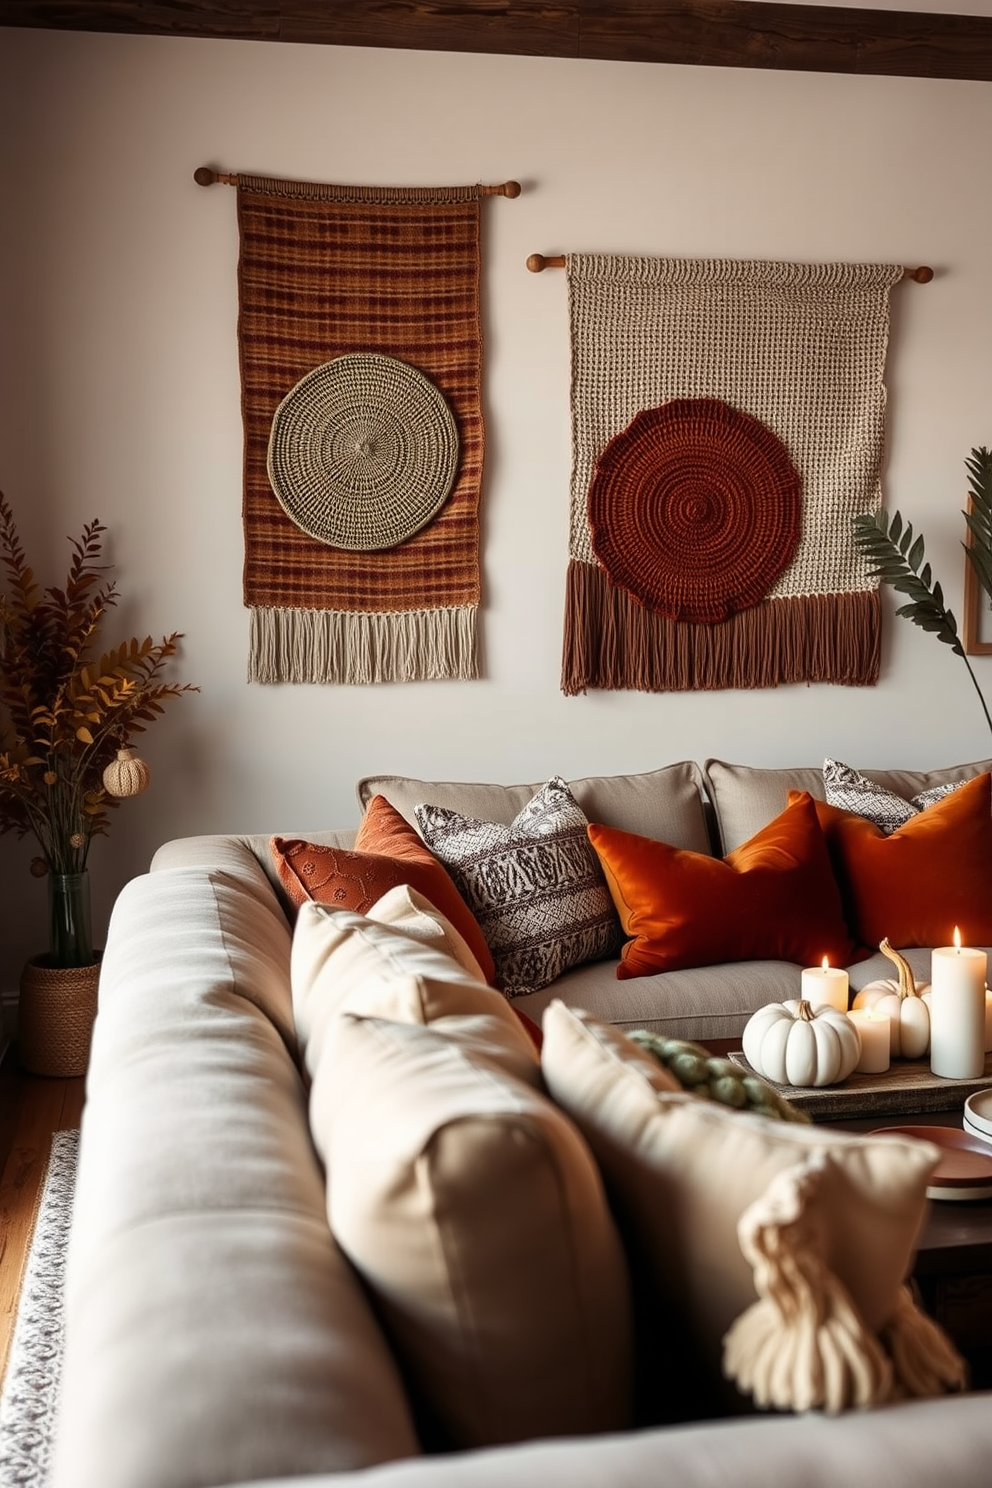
x=975 y=611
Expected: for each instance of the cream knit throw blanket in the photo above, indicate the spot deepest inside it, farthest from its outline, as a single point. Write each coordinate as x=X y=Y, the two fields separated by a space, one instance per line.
x=800 y=347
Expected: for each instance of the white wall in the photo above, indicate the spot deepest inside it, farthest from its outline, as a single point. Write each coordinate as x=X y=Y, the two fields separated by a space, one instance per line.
x=120 y=394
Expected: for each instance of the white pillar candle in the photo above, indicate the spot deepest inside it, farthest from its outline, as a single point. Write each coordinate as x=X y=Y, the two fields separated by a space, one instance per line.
x=825 y=986
x=875 y=1032
x=957 y=1010
x=988 y=1020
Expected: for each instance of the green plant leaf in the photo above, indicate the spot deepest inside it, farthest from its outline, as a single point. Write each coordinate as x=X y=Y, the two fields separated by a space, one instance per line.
x=897 y=555
x=979 y=547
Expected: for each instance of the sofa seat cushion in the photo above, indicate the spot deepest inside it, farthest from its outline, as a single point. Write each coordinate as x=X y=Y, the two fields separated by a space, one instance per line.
x=744 y=797
x=668 y=803
x=785 y=1247
x=775 y=897
x=476 y=1215
x=702 y=1002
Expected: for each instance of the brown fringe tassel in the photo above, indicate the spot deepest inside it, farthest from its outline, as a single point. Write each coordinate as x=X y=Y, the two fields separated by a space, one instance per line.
x=613 y=642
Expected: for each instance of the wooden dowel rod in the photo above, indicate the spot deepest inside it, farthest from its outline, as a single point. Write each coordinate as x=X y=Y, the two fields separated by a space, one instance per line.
x=205 y=176
x=538 y=262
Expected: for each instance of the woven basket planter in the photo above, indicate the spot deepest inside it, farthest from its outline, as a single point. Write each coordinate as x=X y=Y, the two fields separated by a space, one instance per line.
x=55 y=1017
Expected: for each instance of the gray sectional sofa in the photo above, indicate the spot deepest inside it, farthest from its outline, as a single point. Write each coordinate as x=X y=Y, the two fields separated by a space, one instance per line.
x=217 y=1333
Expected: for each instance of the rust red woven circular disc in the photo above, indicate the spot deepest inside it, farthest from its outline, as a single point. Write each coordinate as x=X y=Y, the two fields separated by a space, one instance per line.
x=695 y=509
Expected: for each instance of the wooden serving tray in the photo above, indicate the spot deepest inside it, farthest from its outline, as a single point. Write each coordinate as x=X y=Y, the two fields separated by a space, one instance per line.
x=907 y=1087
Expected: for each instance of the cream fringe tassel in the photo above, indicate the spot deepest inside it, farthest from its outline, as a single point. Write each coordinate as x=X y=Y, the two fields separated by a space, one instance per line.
x=804 y=1345
x=926 y=1363
x=361 y=647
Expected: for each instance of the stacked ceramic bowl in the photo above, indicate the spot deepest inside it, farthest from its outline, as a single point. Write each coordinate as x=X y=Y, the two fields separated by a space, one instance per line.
x=978 y=1115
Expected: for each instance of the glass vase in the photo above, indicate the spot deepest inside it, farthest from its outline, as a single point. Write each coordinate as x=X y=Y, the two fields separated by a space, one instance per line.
x=70 y=923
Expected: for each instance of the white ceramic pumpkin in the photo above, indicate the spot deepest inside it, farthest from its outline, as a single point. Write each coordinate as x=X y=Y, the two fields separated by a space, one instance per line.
x=906 y=1004
x=127 y=775
x=793 y=1043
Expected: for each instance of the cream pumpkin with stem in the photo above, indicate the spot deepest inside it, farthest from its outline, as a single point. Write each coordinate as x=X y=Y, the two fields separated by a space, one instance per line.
x=906 y=1004
x=793 y=1043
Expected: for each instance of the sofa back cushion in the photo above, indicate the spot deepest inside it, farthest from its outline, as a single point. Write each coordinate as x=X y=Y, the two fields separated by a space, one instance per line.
x=476 y=1215
x=668 y=803
x=745 y=798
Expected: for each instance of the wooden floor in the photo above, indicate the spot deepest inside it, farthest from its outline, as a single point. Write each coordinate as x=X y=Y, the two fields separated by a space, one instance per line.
x=31 y=1109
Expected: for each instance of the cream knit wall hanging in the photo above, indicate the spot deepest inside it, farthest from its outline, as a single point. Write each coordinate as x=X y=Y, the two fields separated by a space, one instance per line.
x=727 y=425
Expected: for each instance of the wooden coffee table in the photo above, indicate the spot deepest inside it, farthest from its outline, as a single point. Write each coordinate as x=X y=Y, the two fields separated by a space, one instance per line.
x=953 y=1269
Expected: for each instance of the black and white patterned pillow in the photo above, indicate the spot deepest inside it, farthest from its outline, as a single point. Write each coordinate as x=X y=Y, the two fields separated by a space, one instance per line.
x=852 y=791
x=536 y=886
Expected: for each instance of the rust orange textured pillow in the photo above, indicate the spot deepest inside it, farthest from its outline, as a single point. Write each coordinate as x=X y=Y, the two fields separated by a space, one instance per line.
x=773 y=898
x=388 y=851
x=927 y=876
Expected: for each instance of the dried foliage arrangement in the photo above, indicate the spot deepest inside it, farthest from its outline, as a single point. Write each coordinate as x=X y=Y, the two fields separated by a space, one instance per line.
x=898 y=557
x=66 y=708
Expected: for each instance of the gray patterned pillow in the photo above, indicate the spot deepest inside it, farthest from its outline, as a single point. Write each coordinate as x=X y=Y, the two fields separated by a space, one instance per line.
x=535 y=887
x=852 y=791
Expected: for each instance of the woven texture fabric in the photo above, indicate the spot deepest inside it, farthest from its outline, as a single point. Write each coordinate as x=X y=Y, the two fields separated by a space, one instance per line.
x=535 y=886
x=694 y=509
x=848 y=789
x=327 y=272
x=799 y=347
x=363 y=452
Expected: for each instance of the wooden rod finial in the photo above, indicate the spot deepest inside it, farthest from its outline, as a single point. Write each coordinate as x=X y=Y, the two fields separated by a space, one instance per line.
x=511 y=189
x=922 y=275
x=537 y=263
x=204 y=176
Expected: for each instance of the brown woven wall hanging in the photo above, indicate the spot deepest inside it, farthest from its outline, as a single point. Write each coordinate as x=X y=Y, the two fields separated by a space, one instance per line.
x=360 y=352
x=727 y=425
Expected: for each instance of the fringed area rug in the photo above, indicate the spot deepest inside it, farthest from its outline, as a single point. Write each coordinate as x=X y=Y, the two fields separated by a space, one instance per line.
x=690 y=564
x=327 y=273
x=29 y=1400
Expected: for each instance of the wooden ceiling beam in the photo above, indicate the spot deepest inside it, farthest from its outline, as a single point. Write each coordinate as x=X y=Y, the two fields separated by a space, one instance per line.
x=704 y=33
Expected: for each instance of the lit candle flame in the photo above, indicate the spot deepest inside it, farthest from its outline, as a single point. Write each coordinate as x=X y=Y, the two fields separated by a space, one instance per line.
x=957 y=938
x=826 y=964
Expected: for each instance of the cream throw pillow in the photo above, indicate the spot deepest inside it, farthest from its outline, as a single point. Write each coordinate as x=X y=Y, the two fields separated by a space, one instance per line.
x=476 y=1215
x=786 y=1246
x=403 y=961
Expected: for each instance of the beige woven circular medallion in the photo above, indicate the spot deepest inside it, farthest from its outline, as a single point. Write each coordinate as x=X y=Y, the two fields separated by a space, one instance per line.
x=363 y=452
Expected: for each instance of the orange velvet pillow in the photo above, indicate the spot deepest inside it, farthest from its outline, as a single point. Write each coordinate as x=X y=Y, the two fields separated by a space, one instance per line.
x=930 y=874
x=774 y=898
x=388 y=851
